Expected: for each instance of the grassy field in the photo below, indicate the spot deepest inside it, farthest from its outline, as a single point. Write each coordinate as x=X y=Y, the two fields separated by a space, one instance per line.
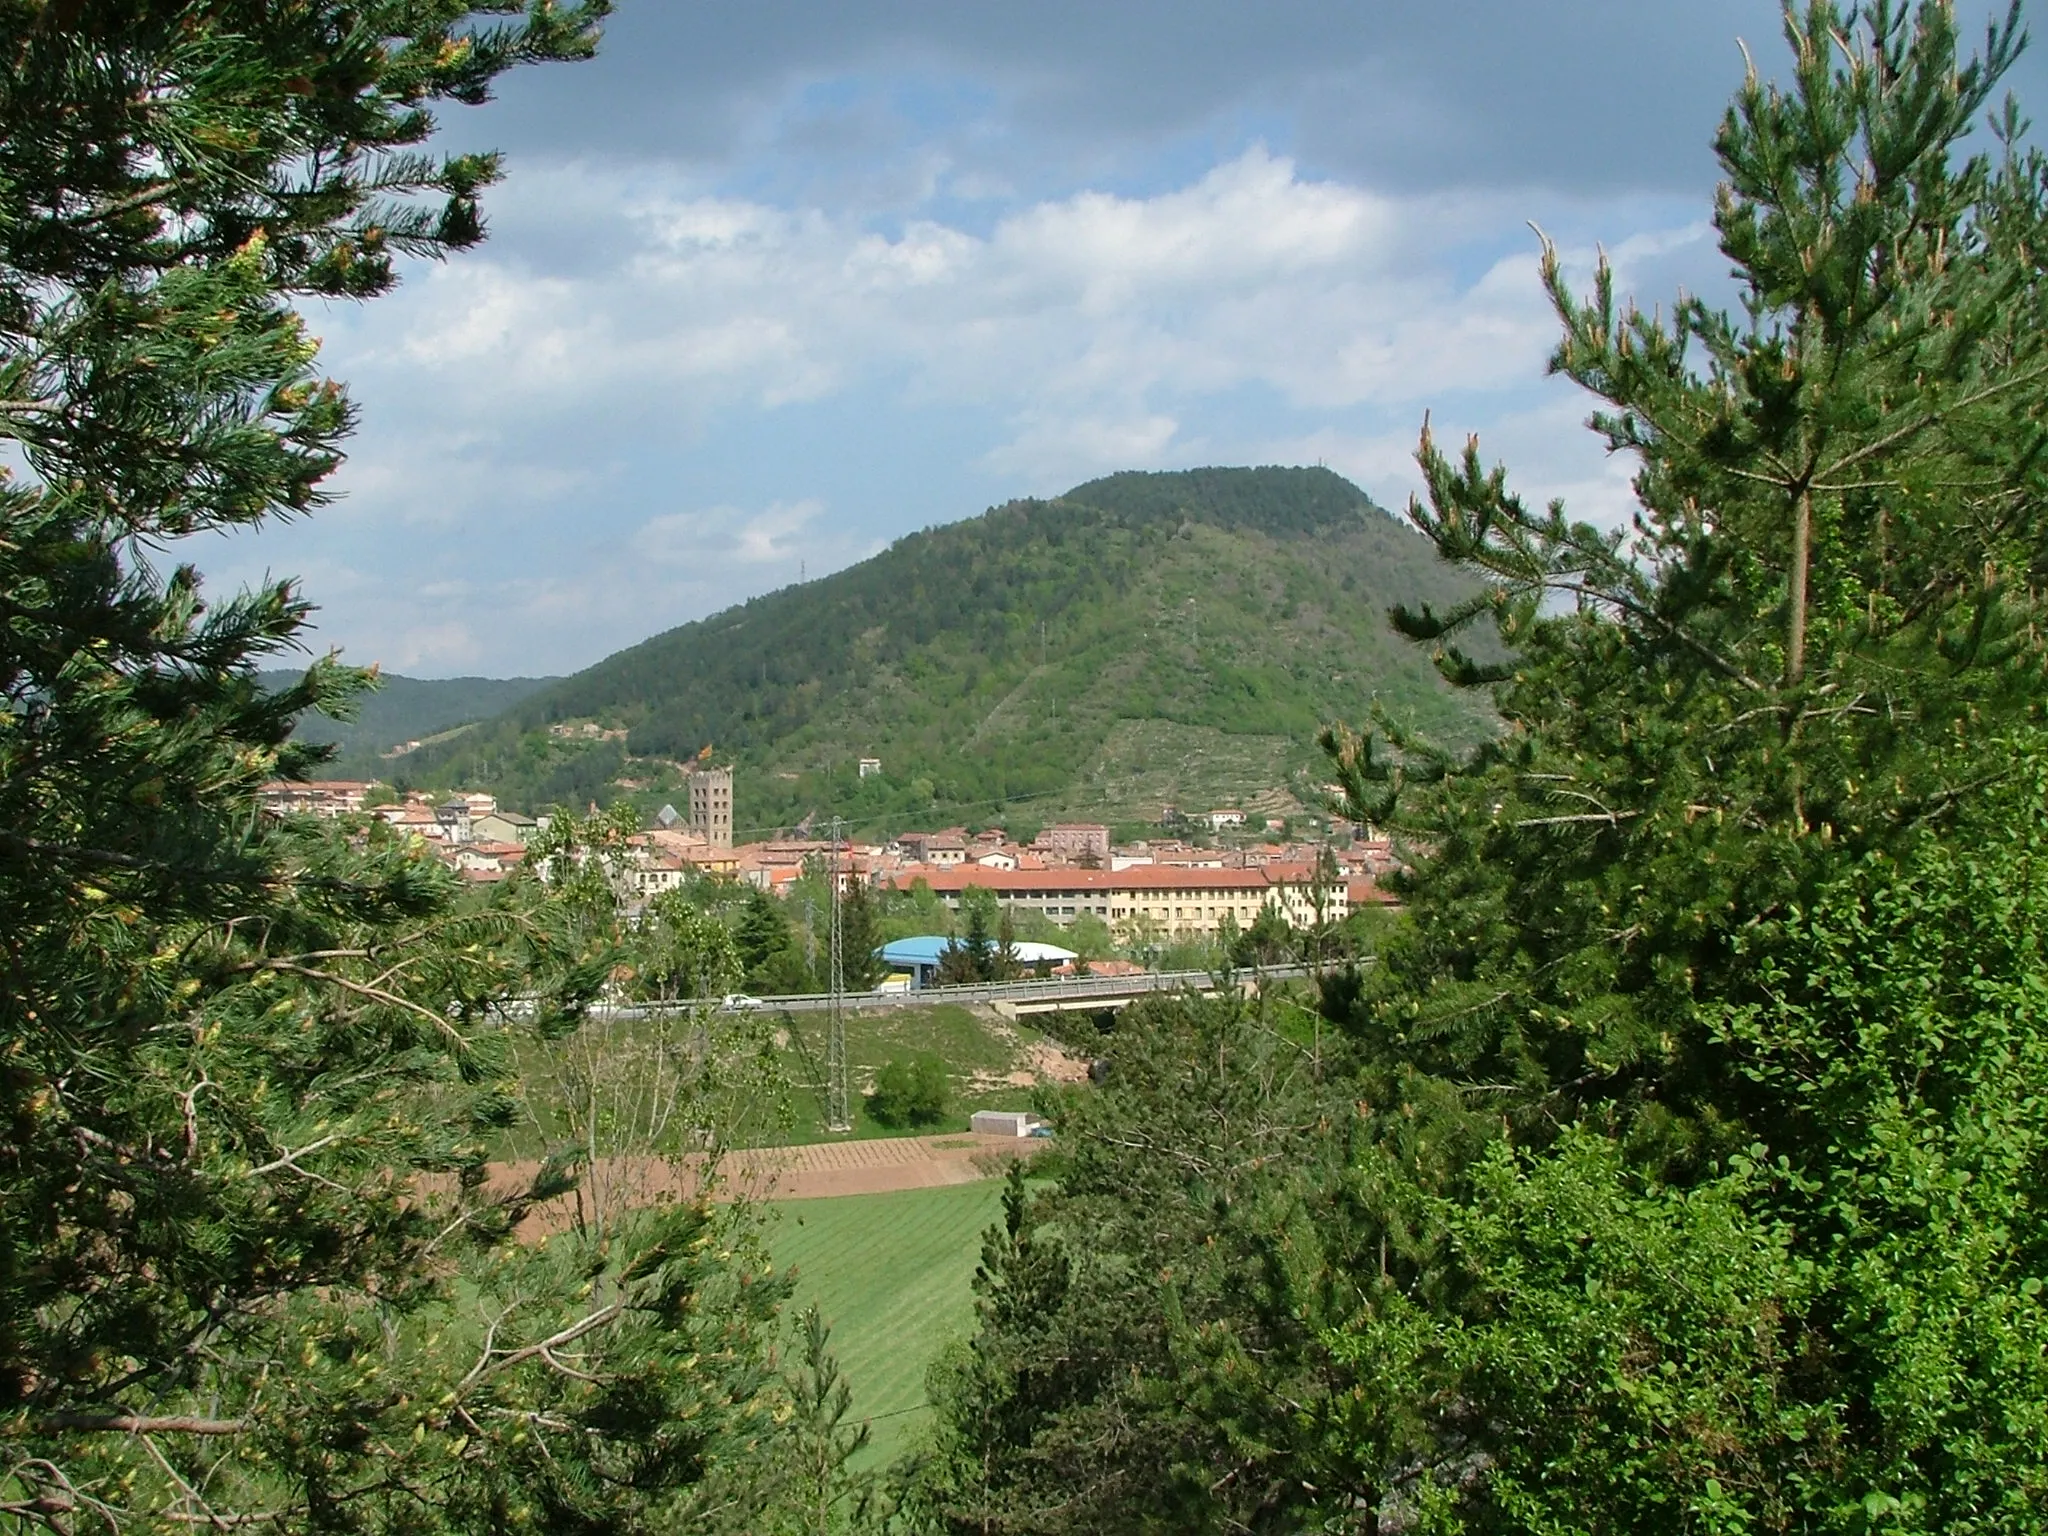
x=977 y=1049
x=890 y=1274
x=980 y=1053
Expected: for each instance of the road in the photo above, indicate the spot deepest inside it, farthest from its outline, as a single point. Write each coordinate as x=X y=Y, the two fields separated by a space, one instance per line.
x=1077 y=989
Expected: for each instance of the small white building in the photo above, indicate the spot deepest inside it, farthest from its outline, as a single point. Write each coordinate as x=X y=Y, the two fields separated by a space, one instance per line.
x=1003 y=1122
x=870 y=766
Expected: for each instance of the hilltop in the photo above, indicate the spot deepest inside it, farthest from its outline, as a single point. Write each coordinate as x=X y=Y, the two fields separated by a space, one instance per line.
x=1144 y=638
x=404 y=709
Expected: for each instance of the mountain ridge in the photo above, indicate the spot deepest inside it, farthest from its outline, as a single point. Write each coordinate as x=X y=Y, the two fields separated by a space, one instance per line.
x=997 y=659
x=402 y=709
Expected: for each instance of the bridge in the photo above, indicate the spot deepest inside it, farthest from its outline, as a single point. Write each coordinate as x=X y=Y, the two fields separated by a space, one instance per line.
x=1087 y=994
x=1015 y=999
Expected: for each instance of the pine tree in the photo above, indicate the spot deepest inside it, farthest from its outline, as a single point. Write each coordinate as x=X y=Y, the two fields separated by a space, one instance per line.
x=1743 y=740
x=1675 y=1169
x=253 y=1267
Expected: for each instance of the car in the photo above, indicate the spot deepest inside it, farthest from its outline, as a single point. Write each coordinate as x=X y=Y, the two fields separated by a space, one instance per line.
x=735 y=1002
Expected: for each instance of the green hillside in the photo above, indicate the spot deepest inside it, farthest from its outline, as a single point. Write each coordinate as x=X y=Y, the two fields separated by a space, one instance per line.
x=1144 y=638
x=408 y=709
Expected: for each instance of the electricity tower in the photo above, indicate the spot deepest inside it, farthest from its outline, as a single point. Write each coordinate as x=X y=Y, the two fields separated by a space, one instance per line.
x=838 y=1105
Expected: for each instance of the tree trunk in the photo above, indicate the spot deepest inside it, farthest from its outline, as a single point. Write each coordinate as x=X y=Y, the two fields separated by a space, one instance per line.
x=1802 y=541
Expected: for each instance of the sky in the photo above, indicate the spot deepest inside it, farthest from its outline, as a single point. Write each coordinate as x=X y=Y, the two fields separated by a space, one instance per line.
x=771 y=285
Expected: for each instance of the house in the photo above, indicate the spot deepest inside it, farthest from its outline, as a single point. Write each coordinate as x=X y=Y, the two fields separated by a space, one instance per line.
x=496 y=826
x=483 y=857
x=414 y=818
x=870 y=767
x=453 y=815
x=1220 y=820
x=1079 y=841
x=1364 y=891
x=314 y=797
x=943 y=849
x=658 y=876
x=1306 y=900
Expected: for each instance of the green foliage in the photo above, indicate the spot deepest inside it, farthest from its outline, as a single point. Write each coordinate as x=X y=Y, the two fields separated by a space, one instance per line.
x=254 y=1269
x=1269 y=941
x=978 y=956
x=1005 y=658
x=820 y=1444
x=768 y=949
x=1144 y=1320
x=860 y=938
x=909 y=1091
x=1677 y=1167
x=401 y=709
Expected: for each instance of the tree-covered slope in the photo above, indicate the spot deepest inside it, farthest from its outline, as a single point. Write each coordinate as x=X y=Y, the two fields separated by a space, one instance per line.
x=992 y=660
x=403 y=709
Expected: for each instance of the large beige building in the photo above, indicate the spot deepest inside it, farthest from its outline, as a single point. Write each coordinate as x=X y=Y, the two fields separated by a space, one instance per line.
x=711 y=804
x=1181 y=902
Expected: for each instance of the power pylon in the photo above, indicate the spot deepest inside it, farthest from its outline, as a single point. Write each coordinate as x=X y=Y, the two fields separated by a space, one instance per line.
x=838 y=1103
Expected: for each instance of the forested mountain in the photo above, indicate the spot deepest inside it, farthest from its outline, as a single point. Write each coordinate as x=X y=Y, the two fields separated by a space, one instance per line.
x=406 y=709
x=1143 y=638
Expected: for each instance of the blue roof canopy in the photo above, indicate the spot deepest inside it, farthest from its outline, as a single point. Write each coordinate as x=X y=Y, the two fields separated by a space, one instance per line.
x=930 y=948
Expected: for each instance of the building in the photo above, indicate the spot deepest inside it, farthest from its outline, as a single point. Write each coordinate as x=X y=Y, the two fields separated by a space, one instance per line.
x=870 y=767
x=453 y=816
x=496 y=826
x=658 y=876
x=920 y=957
x=1174 y=901
x=711 y=804
x=1080 y=841
x=1003 y=1122
x=1219 y=820
x=944 y=849
x=315 y=797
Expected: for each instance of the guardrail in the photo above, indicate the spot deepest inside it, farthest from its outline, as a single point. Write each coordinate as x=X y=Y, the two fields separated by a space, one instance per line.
x=1075 y=988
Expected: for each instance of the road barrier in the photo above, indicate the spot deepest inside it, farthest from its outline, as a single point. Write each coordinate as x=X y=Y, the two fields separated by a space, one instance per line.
x=1076 y=989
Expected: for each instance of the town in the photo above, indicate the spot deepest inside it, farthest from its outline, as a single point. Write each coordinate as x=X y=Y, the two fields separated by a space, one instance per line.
x=1175 y=888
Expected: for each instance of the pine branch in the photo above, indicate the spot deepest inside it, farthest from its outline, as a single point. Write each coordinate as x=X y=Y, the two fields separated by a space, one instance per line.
x=140 y=1424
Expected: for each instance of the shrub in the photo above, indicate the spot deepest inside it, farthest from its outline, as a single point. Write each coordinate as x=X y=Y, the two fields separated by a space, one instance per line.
x=909 y=1092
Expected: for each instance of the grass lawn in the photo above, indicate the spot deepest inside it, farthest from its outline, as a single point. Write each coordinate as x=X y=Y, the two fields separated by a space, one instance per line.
x=890 y=1274
x=978 y=1049
x=970 y=1044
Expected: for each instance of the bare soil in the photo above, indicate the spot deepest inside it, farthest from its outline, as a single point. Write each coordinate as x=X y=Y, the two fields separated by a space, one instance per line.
x=874 y=1167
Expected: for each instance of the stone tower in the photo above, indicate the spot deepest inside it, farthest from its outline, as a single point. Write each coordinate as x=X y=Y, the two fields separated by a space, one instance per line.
x=711 y=804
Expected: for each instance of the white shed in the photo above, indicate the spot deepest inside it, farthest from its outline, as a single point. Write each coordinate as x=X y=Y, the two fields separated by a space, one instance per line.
x=1002 y=1122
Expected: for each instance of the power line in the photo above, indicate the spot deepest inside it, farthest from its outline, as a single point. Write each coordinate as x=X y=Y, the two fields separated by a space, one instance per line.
x=838 y=1102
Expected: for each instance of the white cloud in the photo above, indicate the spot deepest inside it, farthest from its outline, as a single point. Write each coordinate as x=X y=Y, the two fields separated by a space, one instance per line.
x=1253 y=275
x=527 y=495
x=1049 y=453
x=1546 y=448
x=691 y=538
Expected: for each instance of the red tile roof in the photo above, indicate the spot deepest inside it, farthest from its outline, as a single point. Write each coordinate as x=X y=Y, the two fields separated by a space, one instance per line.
x=1146 y=877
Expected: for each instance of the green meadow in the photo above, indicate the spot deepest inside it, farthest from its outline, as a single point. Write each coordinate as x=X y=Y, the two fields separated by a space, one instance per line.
x=891 y=1275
